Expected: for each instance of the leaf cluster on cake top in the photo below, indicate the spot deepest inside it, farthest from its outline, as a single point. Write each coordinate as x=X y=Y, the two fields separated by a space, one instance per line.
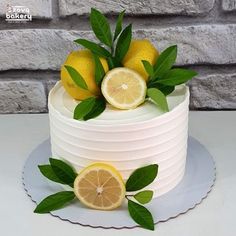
x=119 y=70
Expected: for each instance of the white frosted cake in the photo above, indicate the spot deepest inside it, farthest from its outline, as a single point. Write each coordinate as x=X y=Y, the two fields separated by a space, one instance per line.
x=118 y=123
x=126 y=139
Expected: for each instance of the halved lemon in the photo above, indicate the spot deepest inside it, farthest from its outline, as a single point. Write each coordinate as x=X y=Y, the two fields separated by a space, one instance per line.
x=100 y=186
x=124 y=88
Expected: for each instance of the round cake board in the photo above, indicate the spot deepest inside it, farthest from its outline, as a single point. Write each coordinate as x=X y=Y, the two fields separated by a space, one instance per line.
x=196 y=184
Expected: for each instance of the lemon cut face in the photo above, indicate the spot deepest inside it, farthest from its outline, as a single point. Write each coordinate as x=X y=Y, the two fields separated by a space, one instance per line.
x=124 y=88
x=100 y=186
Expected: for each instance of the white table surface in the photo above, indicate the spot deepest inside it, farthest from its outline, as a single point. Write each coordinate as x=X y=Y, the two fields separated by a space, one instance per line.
x=216 y=215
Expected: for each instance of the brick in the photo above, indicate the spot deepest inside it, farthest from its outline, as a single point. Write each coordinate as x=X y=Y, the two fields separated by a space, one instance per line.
x=35 y=48
x=38 y=9
x=47 y=48
x=22 y=97
x=229 y=5
x=217 y=91
x=134 y=7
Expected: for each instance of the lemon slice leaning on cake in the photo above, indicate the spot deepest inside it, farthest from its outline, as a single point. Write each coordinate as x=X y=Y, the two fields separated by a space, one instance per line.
x=124 y=88
x=100 y=186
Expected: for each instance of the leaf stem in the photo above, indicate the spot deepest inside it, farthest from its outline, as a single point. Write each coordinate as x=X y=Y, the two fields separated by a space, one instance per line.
x=128 y=195
x=112 y=49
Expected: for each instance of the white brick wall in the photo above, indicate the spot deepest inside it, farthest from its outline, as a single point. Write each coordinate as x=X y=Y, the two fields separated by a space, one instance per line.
x=197 y=44
x=31 y=53
x=135 y=7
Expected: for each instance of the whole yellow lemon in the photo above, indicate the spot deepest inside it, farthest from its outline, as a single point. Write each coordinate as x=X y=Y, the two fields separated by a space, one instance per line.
x=83 y=62
x=140 y=50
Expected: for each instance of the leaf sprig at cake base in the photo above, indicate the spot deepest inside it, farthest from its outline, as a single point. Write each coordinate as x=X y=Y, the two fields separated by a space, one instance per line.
x=120 y=103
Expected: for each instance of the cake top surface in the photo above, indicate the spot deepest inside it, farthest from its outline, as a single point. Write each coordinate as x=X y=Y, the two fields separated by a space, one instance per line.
x=64 y=104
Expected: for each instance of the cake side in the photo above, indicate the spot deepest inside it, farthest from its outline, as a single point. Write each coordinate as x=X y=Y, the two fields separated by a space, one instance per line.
x=151 y=137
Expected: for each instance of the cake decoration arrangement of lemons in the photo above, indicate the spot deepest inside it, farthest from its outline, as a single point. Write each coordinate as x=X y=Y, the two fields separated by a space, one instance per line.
x=119 y=70
x=100 y=186
x=83 y=62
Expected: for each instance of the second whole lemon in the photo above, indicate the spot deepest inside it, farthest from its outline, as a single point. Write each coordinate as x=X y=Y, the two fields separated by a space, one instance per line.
x=139 y=50
x=83 y=62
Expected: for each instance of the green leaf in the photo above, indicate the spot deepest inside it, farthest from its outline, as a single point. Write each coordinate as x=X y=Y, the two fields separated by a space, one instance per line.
x=98 y=108
x=48 y=172
x=118 y=28
x=165 y=61
x=93 y=47
x=54 y=202
x=141 y=215
x=141 y=177
x=148 y=67
x=101 y=27
x=63 y=171
x=76 y=77
x=99 y=70
x=144 y=196
x=177 y=76
x=165 y=89
x=113 y=63
x=83 y=108
x=123 y=43
x=158 y=98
